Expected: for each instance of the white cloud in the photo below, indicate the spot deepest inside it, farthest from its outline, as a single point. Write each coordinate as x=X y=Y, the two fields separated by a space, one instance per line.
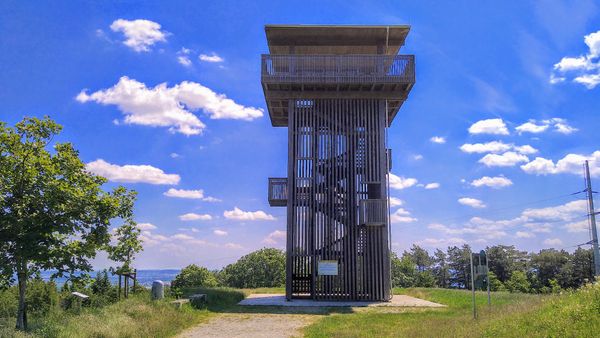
x=558 y=124
x=139 y=34
x=241 y=215
x=508 y=159
x=275 y=237
x=402 y=216
x=585 y=67
x=581 y=226
x=438 y=139
x=146 y=226
x=433 y=185
x=564 y=212
x=472 y=202
x=171 y=107
x=190 y=194
x=184 y=60
x=214 y=58
x=399 y=182
x=553 y=241
x=571 y=163
x=489 y=126
x=174 y=155
x=418 y=157
x=492 y=182
x=489 y=147
x=219 y=232
x=395 y=202
x=531 y=127
x=131 y=173
x=195 y=217
x=496 y=147
x=486 y=230
x=524 y=234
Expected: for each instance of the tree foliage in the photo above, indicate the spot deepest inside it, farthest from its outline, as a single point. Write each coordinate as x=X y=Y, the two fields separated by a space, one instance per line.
x=54 y=214
x=128 y=244
x=194 y=276
x=261 y=268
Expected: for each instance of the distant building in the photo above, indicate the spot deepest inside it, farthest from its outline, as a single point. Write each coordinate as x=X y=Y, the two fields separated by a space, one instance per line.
x=337 y=89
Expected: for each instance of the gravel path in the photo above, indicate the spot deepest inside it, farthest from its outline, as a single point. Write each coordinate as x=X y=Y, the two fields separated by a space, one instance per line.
x=252 y=325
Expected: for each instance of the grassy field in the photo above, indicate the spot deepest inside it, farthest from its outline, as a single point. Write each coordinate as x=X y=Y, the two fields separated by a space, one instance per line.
x=571 y=314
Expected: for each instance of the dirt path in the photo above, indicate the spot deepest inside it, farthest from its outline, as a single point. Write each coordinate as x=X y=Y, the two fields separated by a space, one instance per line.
x=252 y=325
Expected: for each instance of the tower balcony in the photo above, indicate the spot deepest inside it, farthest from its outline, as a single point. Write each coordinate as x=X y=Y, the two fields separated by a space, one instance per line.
x=378 y=76
x=278 y=191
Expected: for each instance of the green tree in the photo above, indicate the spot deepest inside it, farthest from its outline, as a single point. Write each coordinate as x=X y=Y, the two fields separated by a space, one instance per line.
x=440 y=269
x=459 y=264
x=128 y=244
x=548 y=264
x=261 y=268
x=53 y=213
x=504 y=259
x=518 y=282
x=583 y=267
x=495 y=283
x=194 y=276
x=420 y=257
x=404 y=271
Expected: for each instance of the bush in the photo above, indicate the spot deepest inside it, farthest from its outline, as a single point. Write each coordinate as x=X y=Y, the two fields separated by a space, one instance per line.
x=40 y=296
x=518 y=282
x=9 y=302
x=262 y=268
x=194 y=276
x=103 y=292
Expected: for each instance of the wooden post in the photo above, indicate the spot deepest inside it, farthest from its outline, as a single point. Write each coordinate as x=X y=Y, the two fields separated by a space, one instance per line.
x=119 y=288
x=473 y=288
x=134 y=279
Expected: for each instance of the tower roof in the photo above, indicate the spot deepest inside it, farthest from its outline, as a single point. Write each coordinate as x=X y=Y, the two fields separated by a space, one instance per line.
x=335 y=39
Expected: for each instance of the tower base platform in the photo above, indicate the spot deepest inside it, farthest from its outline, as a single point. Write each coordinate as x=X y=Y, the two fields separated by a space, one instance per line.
x=261 y=299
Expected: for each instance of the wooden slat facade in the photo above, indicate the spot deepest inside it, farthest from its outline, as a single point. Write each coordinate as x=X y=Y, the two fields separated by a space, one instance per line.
x=337 y=160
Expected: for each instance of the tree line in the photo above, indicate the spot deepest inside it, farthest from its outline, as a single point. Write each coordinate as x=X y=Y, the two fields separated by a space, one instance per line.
x=511 y=269
x=548 y=270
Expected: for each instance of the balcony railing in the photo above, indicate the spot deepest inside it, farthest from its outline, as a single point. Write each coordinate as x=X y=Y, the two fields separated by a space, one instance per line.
x=338 y=69
x=372 y=212
x=278 y=191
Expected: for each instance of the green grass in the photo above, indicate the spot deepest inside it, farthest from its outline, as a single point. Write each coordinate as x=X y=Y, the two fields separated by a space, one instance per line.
x=136 y=316
x=571 y=314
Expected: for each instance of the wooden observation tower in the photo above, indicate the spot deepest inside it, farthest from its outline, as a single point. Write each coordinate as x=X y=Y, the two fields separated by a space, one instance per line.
x=337 y=89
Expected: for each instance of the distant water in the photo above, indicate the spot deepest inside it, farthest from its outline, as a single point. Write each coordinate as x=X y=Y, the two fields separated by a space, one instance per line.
x=144 y=277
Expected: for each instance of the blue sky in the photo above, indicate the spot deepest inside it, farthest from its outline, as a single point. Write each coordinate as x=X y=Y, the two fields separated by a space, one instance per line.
x=165 y=98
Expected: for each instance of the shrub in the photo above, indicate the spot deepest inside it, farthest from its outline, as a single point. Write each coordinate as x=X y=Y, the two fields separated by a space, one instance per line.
x=518 y=282
x=261 y=268
x=41 y=296
x=194 y=276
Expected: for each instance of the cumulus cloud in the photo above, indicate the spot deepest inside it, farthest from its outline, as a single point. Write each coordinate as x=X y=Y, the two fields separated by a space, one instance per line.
x=183 y=57
x=400 y=182
x=395 y=202
x=240 y=215
x=584 y=69
x=139 y=34
x=172 y=107
x=219 y=232
x=438 y=139
x=492 y=182
x=275 y=237
x=472 y=202
x=508 y=159
x=189 y=194
x=146 y=226
x=131 y=173
x=571 y=164
x=487 y=231
x=581 y=226
x=213 y=57
x=489 y=126
x=524 y=234
x=496 y=147
x=418 y=157
x=402 y=216
x=433 y=185
x=195 y=217
x=557 y=124
x=564 y=212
